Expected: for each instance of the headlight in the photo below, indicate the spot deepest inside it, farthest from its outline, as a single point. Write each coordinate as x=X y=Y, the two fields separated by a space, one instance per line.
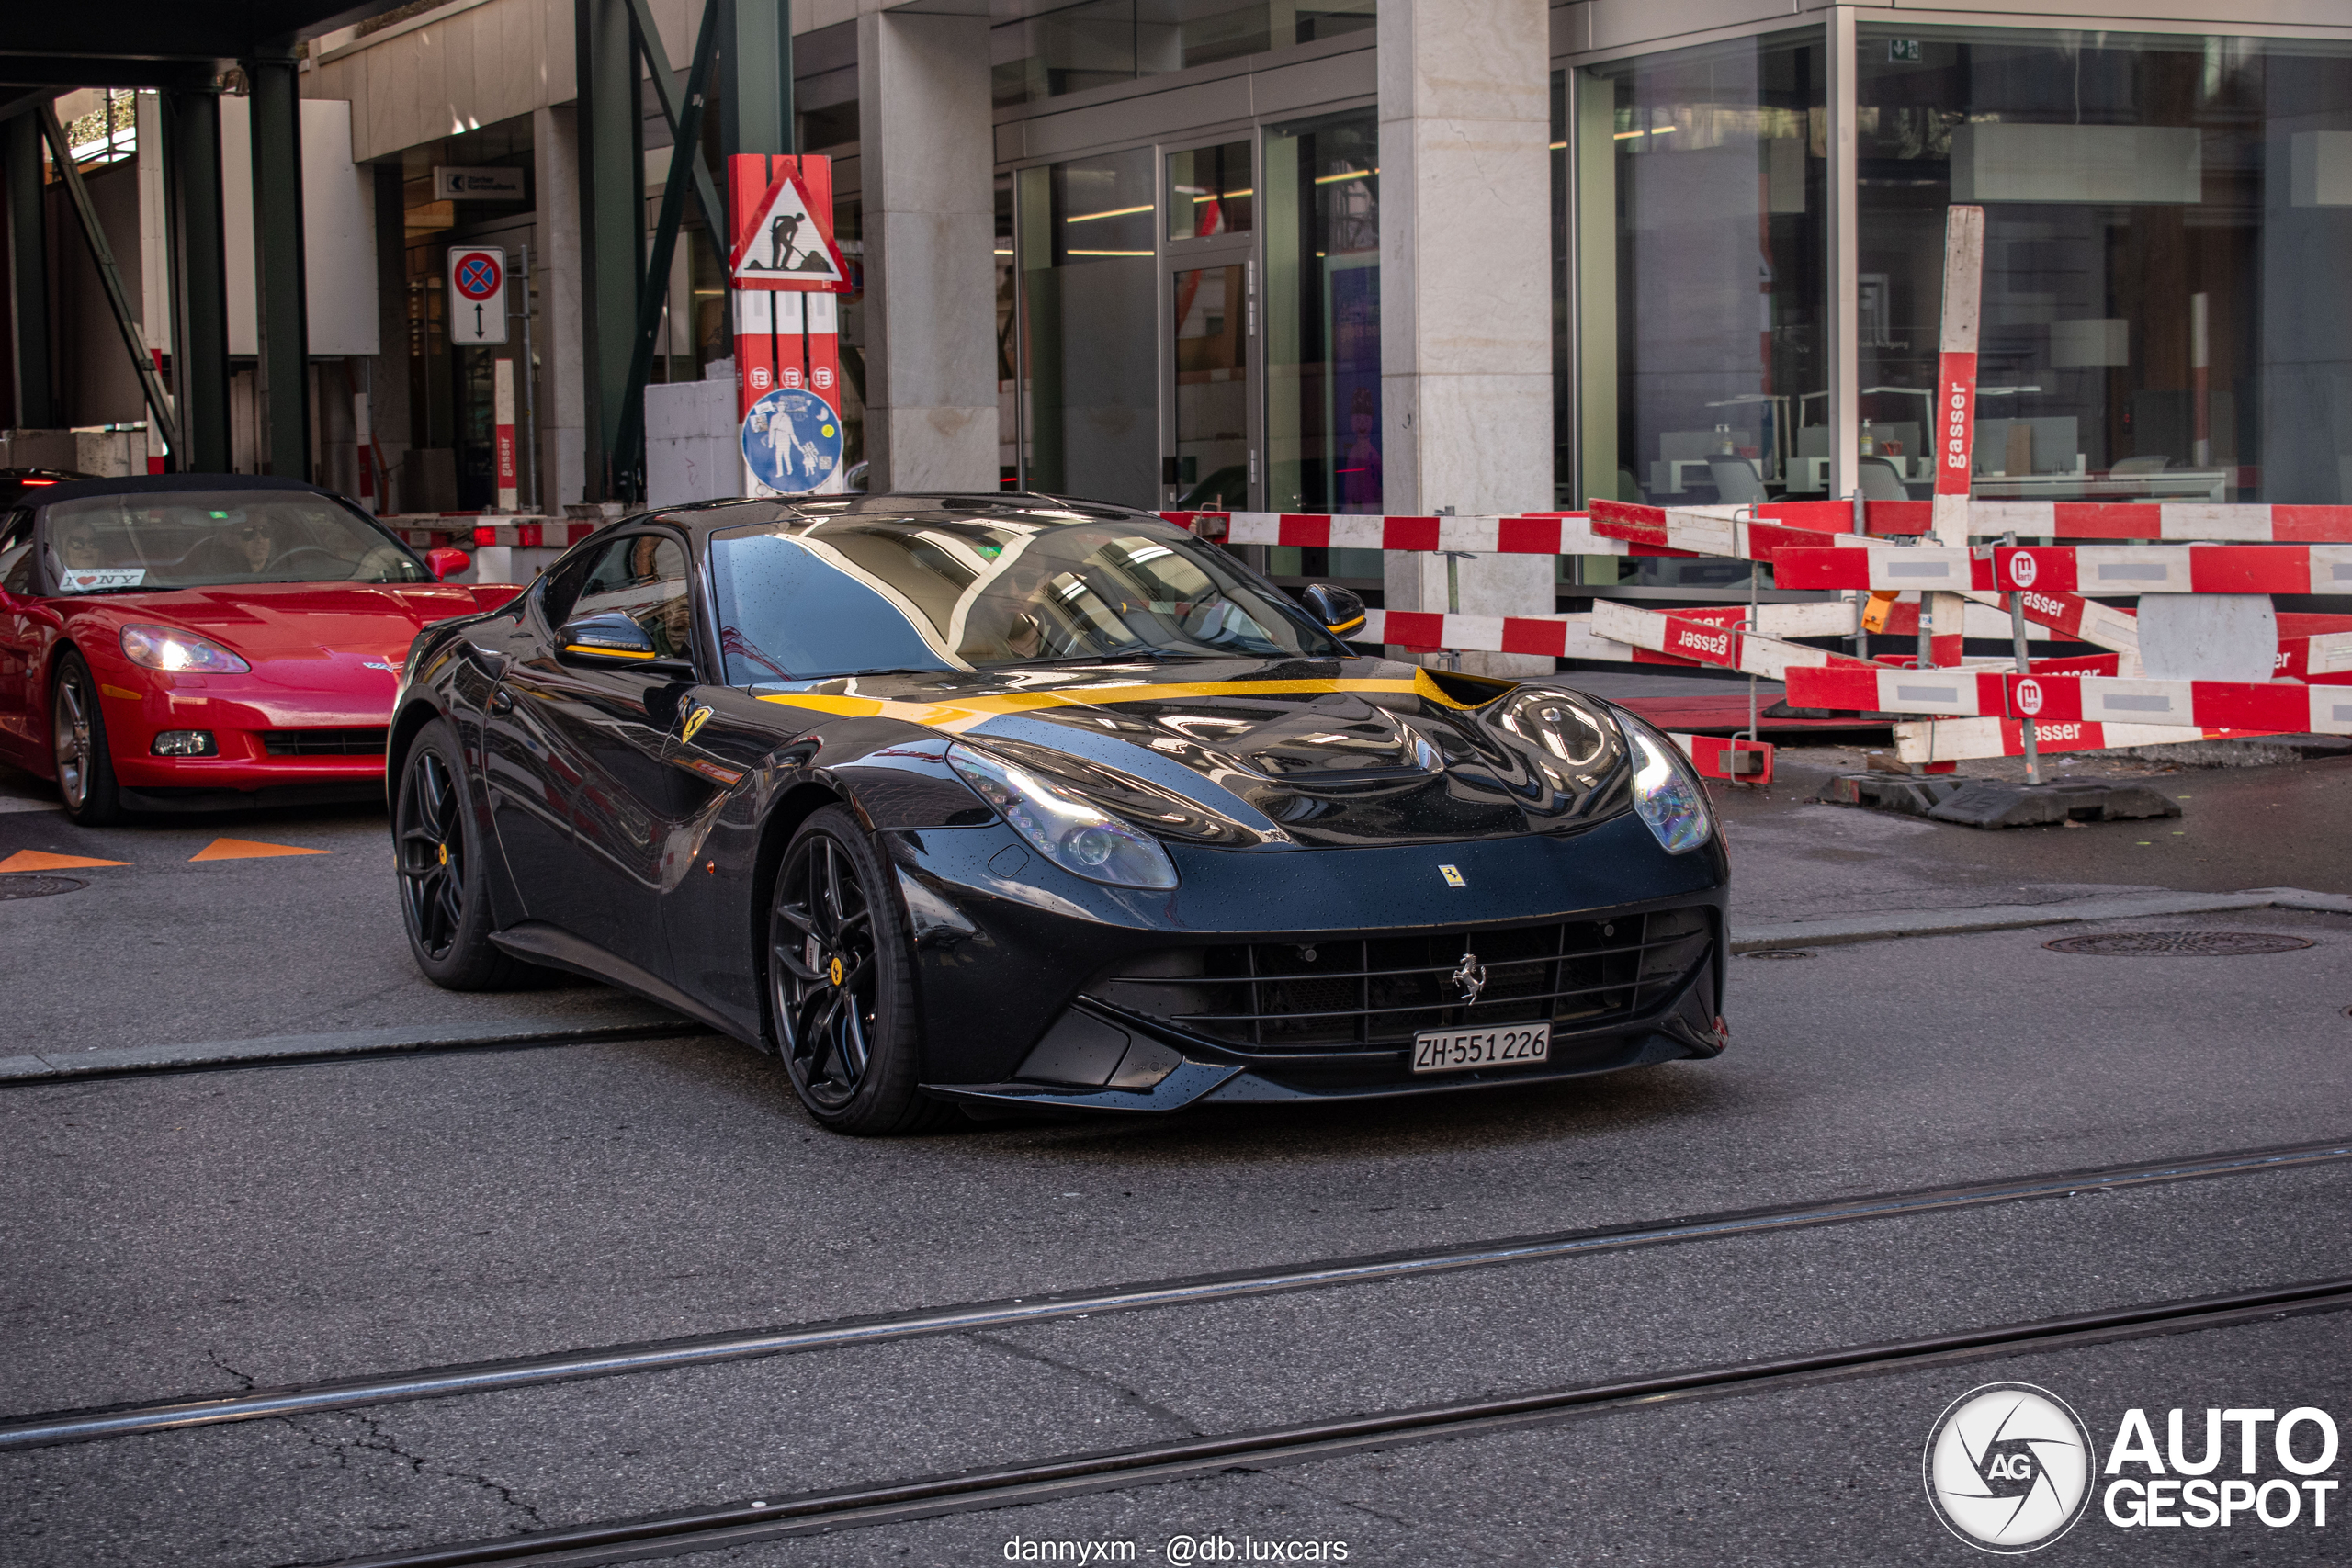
x=1558 y=724
x=161 y=648
x=1063 y=825
x=1665 y=792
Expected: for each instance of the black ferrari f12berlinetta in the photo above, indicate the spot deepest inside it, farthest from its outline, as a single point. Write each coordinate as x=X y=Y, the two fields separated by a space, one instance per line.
x=1016 y=800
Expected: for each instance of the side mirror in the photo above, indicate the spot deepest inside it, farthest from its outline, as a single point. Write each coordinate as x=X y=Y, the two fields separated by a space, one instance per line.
x=1337 y=610
x=445 y=563
x=613 y=638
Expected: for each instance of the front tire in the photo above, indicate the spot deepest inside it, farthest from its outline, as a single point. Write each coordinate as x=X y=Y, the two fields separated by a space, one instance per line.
x=445 y=887
x=841 y=983
x=78 y=741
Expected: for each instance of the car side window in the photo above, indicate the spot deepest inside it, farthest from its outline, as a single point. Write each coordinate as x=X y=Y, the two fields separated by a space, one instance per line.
x=643 y=576
x=17 y=552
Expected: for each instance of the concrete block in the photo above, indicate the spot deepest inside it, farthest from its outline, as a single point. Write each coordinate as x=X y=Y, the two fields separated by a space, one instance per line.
x=2207 y=637
x=1994 y=803
x=691 y=450
x=1891 y=791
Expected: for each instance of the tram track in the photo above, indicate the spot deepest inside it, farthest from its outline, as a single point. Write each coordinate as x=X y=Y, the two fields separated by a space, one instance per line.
x=35 y=1431
x=870 y=1505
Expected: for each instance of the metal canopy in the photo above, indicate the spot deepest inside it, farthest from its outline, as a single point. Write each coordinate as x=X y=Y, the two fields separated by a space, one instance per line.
x=178 y=49
x=124 y=33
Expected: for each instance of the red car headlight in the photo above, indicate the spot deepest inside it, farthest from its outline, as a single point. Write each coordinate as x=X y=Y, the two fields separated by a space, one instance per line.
x=161 y=648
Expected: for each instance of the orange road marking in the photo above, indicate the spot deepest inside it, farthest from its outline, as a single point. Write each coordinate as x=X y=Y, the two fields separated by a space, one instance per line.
x=246 y=849
x=42 y=859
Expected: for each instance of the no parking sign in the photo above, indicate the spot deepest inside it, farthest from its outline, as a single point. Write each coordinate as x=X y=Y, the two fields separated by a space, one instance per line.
x=476 y=304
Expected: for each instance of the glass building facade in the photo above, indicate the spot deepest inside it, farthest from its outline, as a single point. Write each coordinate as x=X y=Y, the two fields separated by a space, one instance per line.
x=1743 y=312
x=2163 y=310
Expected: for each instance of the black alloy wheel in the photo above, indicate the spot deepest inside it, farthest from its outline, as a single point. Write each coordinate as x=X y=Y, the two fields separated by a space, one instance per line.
x=444 y=901
x=78 y=747
x=841 y=983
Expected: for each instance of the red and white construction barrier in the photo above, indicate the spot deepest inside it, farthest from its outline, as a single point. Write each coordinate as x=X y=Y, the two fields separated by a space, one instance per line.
x=1965 y=739
x=554 y=531
x=1733 y=761
x=2273 y=705
x=1711 y=642
x=1549 y=636
x=2250 y=521
x=2095 y=569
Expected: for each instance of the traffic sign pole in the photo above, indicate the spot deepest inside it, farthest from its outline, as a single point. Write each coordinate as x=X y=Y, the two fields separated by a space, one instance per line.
x=476 y=302
x=786 y=274
x=502 y=384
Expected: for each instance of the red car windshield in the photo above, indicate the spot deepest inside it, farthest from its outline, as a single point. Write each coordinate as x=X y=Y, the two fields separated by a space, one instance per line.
x=200 y=538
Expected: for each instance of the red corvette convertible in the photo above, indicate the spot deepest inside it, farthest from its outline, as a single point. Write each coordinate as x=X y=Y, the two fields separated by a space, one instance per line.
x=202 y=640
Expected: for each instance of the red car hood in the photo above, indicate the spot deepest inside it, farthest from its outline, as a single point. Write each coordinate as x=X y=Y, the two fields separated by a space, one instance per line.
x=273 y=623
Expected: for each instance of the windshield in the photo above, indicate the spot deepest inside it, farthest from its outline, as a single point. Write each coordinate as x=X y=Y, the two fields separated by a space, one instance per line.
x=198 y=538
x=850 y=595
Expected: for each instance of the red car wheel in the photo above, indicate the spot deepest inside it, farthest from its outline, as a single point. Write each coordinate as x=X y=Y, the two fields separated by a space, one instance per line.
x=78 y=737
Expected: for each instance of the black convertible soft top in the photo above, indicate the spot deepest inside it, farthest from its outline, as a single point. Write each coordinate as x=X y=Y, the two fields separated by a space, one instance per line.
x=168 y=484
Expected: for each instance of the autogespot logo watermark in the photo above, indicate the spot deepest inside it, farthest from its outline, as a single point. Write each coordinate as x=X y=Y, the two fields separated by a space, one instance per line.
x=2011 y=1468
x=2008 y=1467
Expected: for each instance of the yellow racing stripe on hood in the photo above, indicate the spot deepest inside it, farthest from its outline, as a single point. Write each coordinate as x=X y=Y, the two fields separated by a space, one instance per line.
x=959 y=714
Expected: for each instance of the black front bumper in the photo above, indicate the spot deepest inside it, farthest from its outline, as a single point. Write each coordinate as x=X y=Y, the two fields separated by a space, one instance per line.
x=1005 y=952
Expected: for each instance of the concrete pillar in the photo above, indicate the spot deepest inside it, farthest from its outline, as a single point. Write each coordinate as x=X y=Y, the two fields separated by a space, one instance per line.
x=201 y=356
x=925 y=143
x=562 y=400
x=611 y=229
x=28 y=273
x=281 y=306
x=1465 y=292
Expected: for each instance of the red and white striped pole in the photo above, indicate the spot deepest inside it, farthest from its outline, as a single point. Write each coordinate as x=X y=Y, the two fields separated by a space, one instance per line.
x=502 y=395
x=1955 y=415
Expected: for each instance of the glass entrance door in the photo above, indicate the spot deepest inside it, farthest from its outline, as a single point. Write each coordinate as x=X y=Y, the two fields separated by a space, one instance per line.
x=1209 y=307
x=1212 y=321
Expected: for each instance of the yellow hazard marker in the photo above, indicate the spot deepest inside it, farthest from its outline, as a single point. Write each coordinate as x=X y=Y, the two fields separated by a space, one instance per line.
x=246 y=849
x=42 y=859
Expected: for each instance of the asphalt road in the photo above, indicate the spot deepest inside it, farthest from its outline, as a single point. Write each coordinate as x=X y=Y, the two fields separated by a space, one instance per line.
x=198 y=1233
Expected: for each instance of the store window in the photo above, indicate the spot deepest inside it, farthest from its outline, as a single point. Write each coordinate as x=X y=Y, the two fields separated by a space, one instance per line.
x=1088 y=271
x=2166 y=224
x=1701 y=274
x=1210 y=191
x=1102 y=42
x=1322 y=344
x=1700 y=260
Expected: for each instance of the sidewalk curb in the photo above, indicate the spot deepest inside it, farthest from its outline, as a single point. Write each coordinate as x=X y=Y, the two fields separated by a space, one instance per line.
x=2016 y=916
x=121 y=1061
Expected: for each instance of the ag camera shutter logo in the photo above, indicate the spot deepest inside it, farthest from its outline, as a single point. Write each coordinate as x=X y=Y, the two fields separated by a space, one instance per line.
x=2009 y=1468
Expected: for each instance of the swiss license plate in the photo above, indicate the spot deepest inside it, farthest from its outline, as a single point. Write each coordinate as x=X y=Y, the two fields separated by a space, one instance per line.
x=1459 y=1050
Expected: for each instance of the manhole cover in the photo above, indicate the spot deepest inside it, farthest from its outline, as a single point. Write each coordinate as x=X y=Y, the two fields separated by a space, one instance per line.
x=1778 y=953
x=2177 y=944
x=22 y=886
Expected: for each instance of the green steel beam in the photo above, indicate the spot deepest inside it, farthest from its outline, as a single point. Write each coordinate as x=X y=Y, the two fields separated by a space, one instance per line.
x=281 y=311
x=158 y=407
x=688 y=151
x=200 y=283
x=612 y=228
x=755 y=109
x=28 y=269
x=685 y=152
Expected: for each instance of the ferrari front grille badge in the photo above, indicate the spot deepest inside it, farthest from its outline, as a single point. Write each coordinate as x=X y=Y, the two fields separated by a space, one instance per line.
x=1453 y=877
x=1470 y=978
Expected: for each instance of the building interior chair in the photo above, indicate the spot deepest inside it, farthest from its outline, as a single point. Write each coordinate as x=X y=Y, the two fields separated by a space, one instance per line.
x=1881 y=479
x=1737 y=481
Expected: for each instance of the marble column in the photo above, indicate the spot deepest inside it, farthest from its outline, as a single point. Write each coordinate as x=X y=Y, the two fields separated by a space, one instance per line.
x=1465 y=292
x=925 y=145
x=561 y=398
